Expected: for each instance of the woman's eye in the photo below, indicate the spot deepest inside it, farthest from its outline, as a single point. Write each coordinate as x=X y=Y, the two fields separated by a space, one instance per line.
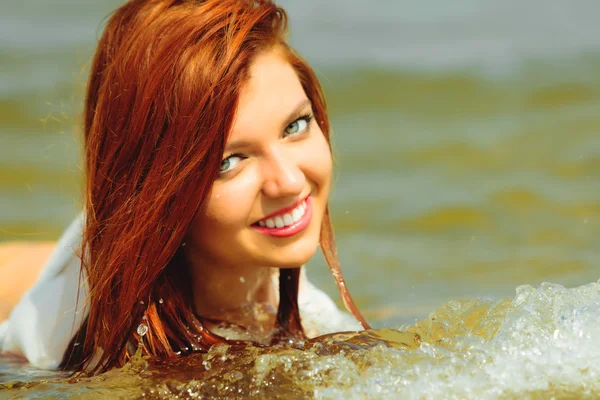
x=299 y=125
x=230 y=162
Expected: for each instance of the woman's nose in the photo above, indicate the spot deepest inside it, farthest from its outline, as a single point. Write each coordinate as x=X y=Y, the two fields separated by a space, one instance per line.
x=283 y=176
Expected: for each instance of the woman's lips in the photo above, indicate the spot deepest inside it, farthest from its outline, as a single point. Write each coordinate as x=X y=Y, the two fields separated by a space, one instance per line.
x=288 y=223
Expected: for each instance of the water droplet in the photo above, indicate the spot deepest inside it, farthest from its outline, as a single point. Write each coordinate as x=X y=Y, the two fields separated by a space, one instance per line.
x=161 y=301
x=183 y=244
x=142 y=302
x=242 y=279
x=142 y=329
x=206 y=364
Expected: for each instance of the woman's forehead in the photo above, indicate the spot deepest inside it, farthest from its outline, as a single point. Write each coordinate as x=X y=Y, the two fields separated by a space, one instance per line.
x=271 y=95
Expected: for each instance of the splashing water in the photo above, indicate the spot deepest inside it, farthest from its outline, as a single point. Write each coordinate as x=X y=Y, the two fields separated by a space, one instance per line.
x=142 y=329
x=541 y=344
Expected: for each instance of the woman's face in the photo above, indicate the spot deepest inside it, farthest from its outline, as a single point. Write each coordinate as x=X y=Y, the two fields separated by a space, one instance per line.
x=266 y=207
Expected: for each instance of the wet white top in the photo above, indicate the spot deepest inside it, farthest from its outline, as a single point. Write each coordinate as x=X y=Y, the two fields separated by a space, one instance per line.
x=49 y=314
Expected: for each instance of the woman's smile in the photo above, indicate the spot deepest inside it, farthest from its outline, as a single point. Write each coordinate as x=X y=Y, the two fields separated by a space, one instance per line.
x=288 y=221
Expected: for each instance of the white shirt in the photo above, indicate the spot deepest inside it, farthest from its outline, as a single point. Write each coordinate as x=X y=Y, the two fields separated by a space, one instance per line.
x=49 y=314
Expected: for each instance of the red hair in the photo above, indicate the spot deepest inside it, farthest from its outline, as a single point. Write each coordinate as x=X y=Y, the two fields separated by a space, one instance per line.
x=162 y=95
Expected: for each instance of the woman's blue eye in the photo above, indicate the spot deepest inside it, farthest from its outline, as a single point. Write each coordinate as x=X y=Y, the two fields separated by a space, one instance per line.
x=299 y=125
x=230 y=162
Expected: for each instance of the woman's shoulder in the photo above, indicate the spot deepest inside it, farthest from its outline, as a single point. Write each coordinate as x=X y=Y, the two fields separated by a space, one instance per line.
x=47 y=316
x=20 y=266
x=320 y=315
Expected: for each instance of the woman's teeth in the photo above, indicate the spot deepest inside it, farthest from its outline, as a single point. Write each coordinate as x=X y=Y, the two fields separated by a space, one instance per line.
x=287 y=219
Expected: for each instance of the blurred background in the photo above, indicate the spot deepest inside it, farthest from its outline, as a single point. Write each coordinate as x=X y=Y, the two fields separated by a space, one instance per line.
x=467 y=139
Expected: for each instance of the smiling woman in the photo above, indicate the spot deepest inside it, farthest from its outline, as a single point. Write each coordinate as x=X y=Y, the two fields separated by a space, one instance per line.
x=278 y=167
x=208 y=169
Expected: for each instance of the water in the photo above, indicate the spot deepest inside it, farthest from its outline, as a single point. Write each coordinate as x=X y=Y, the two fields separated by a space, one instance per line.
x=542 y=344
x=467 y=142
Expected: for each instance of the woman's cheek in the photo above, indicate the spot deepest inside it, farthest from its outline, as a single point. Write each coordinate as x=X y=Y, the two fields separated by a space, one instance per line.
x=319 y=163
x=231 y=203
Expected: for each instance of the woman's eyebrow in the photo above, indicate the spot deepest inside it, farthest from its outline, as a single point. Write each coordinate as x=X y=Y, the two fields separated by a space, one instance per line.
x=235 y=146
x=296 y=112
x=292 y=116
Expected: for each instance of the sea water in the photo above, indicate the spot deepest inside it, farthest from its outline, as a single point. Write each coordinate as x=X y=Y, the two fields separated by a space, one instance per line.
x=541 y=344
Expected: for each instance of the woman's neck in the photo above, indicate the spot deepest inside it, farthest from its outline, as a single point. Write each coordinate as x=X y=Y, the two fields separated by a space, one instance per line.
x=243 y=296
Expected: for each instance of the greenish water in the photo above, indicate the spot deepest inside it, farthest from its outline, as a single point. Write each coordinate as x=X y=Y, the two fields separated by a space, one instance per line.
x=464 y=168
x=455 y=185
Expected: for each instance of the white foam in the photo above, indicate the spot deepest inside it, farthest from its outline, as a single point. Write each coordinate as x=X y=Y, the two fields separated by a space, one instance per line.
x=548 y=343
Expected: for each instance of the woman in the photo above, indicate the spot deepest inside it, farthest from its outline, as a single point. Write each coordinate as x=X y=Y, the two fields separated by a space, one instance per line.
x=208 y=169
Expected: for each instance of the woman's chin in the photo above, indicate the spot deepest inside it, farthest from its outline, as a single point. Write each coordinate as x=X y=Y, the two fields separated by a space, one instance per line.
x=294 y=256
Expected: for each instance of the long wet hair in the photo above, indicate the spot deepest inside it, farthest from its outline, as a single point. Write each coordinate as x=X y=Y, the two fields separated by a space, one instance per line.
x=161 y=98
